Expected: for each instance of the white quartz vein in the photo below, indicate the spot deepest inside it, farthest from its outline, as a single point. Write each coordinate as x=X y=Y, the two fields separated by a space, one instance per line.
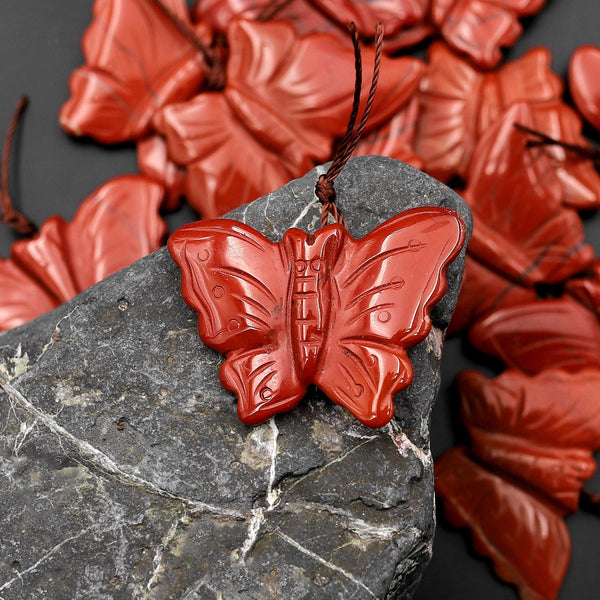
x=43 y=559
x=305 y=211
x=319 y=470
x=104 y=463
x=330 y=565
x=363 y=529
x=157 y=561
x=272 y=497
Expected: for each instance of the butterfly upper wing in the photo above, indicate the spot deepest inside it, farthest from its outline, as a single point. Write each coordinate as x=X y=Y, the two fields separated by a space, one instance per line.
x=237 y=281
x=524 y=535
x=385 y=285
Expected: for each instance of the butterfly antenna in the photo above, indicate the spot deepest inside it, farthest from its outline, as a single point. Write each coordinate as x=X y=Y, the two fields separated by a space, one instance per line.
x=10 y=215
x=324 y=188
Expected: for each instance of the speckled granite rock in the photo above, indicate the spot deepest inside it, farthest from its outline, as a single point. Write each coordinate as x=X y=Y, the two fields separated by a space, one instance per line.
x=125 y=472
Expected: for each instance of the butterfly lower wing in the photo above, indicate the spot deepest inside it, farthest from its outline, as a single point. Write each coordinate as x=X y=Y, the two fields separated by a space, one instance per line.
x=265 y=381
x=386 y=284
x=363 y=377
x=525 y=537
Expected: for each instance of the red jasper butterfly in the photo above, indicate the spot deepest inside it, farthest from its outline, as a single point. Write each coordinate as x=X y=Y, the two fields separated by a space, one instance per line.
x=324 y=309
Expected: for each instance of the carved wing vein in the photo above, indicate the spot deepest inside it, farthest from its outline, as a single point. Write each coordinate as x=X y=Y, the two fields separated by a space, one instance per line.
x=244 y=276
x=371 y=292
x=379 y=258
x=371 y=309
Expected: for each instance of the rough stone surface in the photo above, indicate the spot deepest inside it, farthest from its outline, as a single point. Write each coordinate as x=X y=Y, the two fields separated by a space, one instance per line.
x=125 y=472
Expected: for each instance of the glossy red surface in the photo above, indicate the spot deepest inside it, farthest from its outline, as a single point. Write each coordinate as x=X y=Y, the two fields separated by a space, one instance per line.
x=484 y=290
x=479 y=28
x=531 y=337
x=154 y=162
x=324 y=308
x=525 y=536
x=394 y=138
x=587 y=289
x=520 y=228
x=459 y=103
x=531 y=452
x=129 y=76
x=114 y=226
x=584 y=82
x=280 y=111
x=322 y=16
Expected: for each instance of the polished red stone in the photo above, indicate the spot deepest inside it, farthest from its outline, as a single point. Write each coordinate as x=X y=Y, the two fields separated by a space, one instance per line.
x=584 y=82
x=394 y=138
x=524 y=536
x=116 y=225
x=322 y=309
x=479 y=28
x=532 y=440
x=482 y=291
x=587 y=289
x=154 y=162
x=136 y=62
x=321 y=16
x=279 y=114
x=459 y=103
x=531 y=337
x=520 y=228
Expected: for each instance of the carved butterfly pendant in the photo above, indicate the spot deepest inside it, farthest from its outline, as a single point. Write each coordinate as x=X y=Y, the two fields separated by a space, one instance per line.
x=324 y=309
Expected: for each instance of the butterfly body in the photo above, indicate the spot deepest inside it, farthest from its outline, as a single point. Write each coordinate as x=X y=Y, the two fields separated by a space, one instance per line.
x=323 y=309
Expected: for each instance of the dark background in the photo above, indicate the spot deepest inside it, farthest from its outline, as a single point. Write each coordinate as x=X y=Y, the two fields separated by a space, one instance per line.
x=52 y=174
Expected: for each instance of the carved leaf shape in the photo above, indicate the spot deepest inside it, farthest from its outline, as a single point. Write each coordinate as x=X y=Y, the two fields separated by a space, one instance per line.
x=578 y=176
x=479 y=28
x=459 y=103
x=116 y=225
x=520 y=227
x=583 y=82
x=322 y=16
x=483 y=290
x=279 y=113
x=524 y=535
x=540 y=429
x=531 y=337
x=129 y=76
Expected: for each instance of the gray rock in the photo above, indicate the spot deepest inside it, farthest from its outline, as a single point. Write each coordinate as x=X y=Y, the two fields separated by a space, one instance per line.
x=126 y=474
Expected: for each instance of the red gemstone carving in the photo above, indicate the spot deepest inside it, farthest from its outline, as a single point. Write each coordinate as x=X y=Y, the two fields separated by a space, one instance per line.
x=325 y=308
x=531 y=452
x=320 y=16
x=154 y=162
x=136 y=62
x=394 y=138
x=113 y=227
x=522 y=233
x=459 y=103
x=587 y=289
x=584 y=83
x=479 y=28
x=540 y=335
x=532 y=553
x=280 y=111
